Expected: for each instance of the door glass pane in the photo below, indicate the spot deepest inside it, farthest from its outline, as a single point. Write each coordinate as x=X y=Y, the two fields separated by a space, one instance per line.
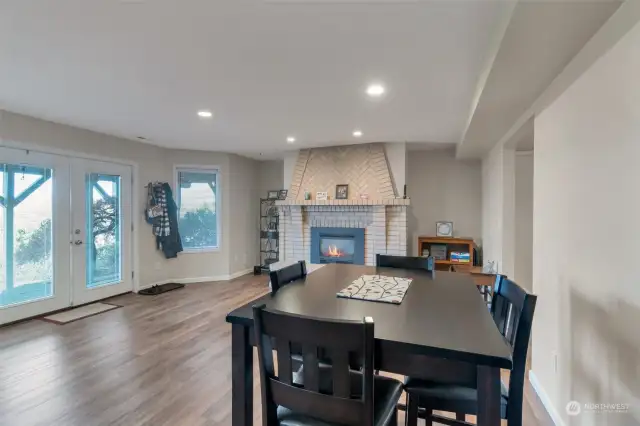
x=103 y=231
x=26 y=206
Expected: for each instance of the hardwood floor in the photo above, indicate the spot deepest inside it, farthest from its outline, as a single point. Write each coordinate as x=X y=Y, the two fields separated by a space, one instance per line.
x=159 y=360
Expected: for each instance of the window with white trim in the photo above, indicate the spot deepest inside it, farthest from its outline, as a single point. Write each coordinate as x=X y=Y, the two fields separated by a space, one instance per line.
x=198 y=208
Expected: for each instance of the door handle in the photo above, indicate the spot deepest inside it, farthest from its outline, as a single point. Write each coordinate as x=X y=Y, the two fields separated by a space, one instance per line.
x=77 y=242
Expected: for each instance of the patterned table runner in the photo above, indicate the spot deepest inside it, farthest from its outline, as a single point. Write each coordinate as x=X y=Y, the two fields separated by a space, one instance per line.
x=377 y=288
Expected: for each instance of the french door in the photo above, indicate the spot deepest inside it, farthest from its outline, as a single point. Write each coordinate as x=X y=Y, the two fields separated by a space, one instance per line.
x=101 y=230
x=65 y=232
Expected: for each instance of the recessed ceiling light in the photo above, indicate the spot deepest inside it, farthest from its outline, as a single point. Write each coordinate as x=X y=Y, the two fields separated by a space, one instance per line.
x=205 y=114
x=357 y=133
x=375 y=90
x=291 y=139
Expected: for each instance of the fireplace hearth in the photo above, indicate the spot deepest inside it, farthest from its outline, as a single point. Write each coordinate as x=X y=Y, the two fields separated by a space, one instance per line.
x=337 y=245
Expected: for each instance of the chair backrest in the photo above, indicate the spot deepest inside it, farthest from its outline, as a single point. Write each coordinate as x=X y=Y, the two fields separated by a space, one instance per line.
x=512 y=309
x=405 y=262
x=287 y=274
x=336 y=402
x=486 y=294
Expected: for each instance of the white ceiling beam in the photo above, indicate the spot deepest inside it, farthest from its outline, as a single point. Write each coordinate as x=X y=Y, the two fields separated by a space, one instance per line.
x=620 y=23
x=494 y=47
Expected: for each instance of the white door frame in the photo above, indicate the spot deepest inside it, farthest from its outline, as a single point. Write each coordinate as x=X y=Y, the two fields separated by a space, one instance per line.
x=135 y=189
x=81 y=292
x=61 y=296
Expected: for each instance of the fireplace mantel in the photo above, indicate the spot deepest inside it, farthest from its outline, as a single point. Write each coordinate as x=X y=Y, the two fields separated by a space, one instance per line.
x=385 y=202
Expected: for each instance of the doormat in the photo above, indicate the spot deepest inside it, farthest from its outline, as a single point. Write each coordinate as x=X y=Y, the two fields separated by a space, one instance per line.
x=76 y=314
x=159 y=289
x=377 y=288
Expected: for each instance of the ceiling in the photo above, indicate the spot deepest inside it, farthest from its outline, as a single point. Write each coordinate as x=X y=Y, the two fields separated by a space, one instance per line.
x=273 y=68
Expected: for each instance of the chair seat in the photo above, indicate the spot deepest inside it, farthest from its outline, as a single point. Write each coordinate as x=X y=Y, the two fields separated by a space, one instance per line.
x=452 y=398
x=387 y=392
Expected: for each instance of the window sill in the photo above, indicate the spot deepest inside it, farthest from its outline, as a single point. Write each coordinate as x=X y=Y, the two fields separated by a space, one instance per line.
x=201 y=250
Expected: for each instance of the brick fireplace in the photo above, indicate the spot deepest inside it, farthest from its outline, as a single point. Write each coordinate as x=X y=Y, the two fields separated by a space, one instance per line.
x=373 y=206
x=385 y=227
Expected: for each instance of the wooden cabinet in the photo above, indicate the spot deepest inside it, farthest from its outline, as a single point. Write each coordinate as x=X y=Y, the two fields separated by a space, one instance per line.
x=460 y=245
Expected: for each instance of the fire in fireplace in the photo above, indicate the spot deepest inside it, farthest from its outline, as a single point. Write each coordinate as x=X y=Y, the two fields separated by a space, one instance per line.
x=337 y=245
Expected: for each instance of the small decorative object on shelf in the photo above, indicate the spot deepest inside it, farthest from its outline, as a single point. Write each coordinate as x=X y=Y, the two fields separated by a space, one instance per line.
x=342 y=192
x=364 y=196
x=282 y=195
x=321 y=196
x=439 y=251
x=272 y=195
x=444 y=229
x=460 y=257
x=490 y=268
x=307 y=195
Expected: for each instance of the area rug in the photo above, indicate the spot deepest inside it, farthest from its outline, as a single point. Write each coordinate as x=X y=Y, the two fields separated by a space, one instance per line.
x=76 y=314
x=377 y=288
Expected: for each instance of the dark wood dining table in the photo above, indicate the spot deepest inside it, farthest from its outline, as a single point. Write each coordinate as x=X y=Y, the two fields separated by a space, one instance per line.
x=441 y=327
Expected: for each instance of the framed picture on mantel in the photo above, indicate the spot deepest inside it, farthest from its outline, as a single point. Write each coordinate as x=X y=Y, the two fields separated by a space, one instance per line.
x=342 y=192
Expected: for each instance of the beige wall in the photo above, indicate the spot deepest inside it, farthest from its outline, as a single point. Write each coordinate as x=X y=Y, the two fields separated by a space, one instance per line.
x=271 y=176
x=443 y=188
x=157 y=164
x=498 y=208
x=492 y=207
x=523 y=260
x=244 y=213
x=289 y=163
x=586 y=232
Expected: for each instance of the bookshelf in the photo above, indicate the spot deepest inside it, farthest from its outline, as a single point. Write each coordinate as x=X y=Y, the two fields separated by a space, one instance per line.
x=464 y=245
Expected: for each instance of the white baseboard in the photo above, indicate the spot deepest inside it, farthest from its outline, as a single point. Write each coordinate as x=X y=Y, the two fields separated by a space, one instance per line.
x=200 y=279
x=240 y=273
x=546 y=401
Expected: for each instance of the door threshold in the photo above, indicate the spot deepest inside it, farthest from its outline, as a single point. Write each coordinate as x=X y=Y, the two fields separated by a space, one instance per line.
x=57 y=311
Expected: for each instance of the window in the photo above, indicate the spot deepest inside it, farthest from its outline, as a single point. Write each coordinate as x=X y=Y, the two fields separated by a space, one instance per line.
x=198 y=205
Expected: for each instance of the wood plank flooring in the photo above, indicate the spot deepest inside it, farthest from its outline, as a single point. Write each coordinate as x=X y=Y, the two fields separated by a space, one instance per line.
x=159 y=360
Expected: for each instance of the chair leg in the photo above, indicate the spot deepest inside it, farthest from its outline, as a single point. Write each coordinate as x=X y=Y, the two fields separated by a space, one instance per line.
x=411 y=415
x=460 y=416
x=428 y=416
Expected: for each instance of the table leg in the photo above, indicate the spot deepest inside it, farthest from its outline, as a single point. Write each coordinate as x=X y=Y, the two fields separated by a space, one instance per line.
x=488 y=396
x=241 y=376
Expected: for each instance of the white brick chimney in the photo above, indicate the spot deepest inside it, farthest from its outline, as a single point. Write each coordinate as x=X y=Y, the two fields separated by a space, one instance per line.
x=373 y=203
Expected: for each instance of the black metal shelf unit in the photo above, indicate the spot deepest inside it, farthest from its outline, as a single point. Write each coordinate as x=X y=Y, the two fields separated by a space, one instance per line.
x=269 y=242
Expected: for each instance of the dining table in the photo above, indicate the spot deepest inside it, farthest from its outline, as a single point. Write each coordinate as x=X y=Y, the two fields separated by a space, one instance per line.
x=442 y=328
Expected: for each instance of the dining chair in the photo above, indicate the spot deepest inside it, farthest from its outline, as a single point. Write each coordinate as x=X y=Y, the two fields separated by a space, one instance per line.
x=319 y=394
x=287 y=274
x=512 y=309
x=405 y=262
